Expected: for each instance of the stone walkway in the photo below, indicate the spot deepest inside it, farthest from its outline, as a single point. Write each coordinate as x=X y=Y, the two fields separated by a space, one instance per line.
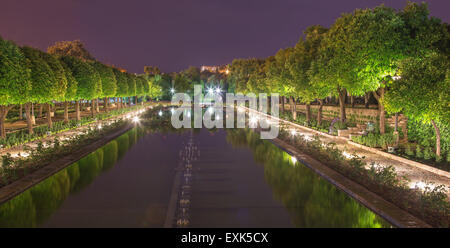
x=418 y=176
x=18 y=151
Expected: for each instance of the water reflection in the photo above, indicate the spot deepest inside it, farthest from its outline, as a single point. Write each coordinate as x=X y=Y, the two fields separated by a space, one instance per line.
x=33 y=207
x=310 y=200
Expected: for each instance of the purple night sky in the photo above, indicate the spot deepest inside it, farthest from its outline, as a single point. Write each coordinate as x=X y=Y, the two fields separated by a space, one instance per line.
x=174 y=34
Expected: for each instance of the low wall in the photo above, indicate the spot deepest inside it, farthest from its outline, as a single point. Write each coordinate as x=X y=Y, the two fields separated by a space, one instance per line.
x=331 y=112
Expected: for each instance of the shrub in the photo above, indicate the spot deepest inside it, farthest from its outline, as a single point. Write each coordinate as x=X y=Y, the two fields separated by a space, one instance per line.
x=419 y=153
x=427 y=153
x=408 y=150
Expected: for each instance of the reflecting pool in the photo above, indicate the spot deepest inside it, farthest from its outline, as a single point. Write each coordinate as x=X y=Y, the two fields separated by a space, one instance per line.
x=236 y=180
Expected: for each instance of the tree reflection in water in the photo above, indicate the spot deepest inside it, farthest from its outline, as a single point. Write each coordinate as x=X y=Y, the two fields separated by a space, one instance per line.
x=311 y=201
x=33 y=207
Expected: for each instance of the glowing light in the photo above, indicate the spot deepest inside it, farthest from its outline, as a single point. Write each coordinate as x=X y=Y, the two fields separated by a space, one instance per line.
x=293 y=132
x=218 y=90
x=99 y=126
x=347 y=155
x=172 y=90
x=253 y=120
x=422 y=186
x=210 y=91
x=210 y=110
x=135 y=119
x=217 y=117
x=189 y=114
x=294 y=160
x=160 y=113
x=172 y=110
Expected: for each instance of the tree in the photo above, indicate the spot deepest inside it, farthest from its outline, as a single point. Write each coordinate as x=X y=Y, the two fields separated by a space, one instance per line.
x=152 y=70
x=109 y=82
x=43 y=83
x=15 y=81
x=70 y=48
x=131 y=87
x=122 y=86
x=299 y=63
x=60 y=82
x=139 y=88
x=423 y=91
x=71 y=90
x=281 y=78
x=87 y=79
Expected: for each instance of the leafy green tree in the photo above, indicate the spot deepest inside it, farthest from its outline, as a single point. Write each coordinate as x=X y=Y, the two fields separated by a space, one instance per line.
x=109 y=82
x=281 y=78
x=131 y=86
x=71 y=89
x=60 y=84
x=44 y=83
x=87 y=79
x=15 y=81
x=299 y=63
x=139 y=88
x=423 y=92
x=122 y=86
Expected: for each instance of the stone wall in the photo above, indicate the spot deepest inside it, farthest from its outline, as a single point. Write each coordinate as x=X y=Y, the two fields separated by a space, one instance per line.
x=362 y=115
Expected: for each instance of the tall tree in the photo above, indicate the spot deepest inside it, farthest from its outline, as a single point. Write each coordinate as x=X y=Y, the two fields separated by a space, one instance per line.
x=122 y=86
x=43 y=81
x=423 y=91
x=60 y=82
x=71 y=90
x=87 y=79
x=70 y=48
x=15 y=81
x=299 y=63
x=109 y=82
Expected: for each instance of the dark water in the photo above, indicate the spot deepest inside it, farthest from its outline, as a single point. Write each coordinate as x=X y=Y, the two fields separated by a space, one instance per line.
x=238 y=181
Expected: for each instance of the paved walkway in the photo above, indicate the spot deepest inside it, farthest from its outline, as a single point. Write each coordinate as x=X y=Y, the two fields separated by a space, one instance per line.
x=417 y=176
x=19 y=150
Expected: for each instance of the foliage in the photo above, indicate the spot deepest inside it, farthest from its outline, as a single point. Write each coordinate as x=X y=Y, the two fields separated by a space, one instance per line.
x=70 y=48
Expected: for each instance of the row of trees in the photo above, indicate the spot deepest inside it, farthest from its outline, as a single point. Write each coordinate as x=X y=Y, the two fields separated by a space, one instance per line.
x=401 y=57
x=67 y=73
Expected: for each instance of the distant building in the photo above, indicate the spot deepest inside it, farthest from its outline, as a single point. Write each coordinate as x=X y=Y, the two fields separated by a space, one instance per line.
x=215 y=69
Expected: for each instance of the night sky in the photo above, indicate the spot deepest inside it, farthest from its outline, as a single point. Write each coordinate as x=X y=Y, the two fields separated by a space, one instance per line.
x=174 y=34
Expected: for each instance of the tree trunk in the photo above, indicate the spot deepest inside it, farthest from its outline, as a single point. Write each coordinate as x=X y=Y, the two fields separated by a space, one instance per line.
x=92 y=108
x=352 y=101
x=66 y=112
x=20 y=112
x=366 y=100
x=105 y=104
x=136 y=100
x=382 y=113
x=283 y=99
x=3 y=113
x=49 y=117
x=40 y=110
x=293 y=108
x=319 y=113
x=28 y=117
x=77 y=110
x=97 y=109
x=438 y=138
x=343 y=116
x=308 y=113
